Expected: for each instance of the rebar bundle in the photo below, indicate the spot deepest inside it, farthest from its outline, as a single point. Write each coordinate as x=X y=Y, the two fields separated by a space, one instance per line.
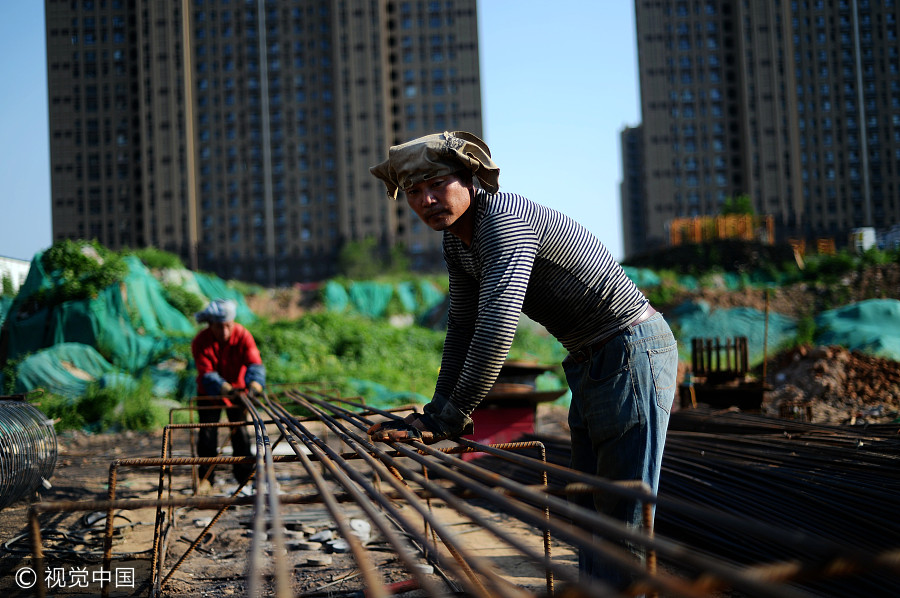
x=715 y=539
x=27 y=450
x=831 y=483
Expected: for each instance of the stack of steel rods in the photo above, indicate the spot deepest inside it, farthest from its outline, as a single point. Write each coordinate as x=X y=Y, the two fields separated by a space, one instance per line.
x=712 y=568
x=832 y=483
x=828 y=486
x=713 y=539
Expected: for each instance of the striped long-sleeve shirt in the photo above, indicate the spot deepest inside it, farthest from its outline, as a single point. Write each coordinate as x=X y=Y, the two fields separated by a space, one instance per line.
x=524 y=258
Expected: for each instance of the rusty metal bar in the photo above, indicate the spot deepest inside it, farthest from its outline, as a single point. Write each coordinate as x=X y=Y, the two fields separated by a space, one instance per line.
x=367 y=569
x=344 y=476
x=463 y=557
x=266 y=487
x=591 y=520
x=487 y=492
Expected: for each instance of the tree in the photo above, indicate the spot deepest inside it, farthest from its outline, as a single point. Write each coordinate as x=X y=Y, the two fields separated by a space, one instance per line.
x=361 y=259
x=738 y=205
x=9 y=290
x=366 y=259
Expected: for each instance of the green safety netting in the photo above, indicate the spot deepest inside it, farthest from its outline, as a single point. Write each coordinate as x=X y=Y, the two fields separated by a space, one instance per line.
x=871 y=326
x=120 y=322
x=696 y=320
x=431 y=295
x=689 y=282
x=5 y=304
x=406 y=293
x=381 y=397
x=371 y=298
x=130 y=325
x=642 y=277
x=66 y=369
x=146 y=298
x=335 y=297
x=214 y=287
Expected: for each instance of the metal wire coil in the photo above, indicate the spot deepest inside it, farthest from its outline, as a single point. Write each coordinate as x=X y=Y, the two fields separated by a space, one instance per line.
x=28 y=450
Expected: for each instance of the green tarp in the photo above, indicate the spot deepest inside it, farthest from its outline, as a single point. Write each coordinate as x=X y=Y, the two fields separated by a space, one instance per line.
x=5 y=304
x=431 y=295
x=214 y=287
x=406 y=293
x=146 y=300
x=335 y=297
x=130 y=336
x=66 y=369
x=373 y=299
x=380 y=397
x=129 y=326
x=871 y=327
x=696 y=320
x=642 y=277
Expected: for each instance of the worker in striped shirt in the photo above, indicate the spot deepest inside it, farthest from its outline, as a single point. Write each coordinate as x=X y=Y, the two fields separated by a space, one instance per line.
x=506 y=255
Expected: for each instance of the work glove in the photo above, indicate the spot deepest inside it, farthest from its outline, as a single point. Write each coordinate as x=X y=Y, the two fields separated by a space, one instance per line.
x=256 y=388
x=415 y=426
x=226 y=388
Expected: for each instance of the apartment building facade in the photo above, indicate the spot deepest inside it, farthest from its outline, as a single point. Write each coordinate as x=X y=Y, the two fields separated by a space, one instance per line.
x=795 y=103
x=238 y=133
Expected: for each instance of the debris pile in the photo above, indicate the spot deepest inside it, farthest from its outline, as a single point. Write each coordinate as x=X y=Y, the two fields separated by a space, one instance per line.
x=834 y=385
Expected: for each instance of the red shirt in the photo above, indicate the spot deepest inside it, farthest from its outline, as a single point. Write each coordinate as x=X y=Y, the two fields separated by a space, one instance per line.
x=229 y=359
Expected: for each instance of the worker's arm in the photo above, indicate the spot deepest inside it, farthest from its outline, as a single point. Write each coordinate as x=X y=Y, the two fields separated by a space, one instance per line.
x=210 y=382
x=471 y=362
x=460 y=326
x=255 y=375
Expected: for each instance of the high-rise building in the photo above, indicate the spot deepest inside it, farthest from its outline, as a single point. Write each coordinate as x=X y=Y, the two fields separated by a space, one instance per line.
x=238 y=133
x=795 y=103
x=631 y=190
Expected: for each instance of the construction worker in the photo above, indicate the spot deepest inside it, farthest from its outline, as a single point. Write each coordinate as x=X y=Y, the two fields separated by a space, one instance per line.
x=228 y=363
x=505 y=255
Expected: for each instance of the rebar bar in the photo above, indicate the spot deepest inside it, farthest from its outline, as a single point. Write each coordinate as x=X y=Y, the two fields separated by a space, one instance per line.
x=28 y=450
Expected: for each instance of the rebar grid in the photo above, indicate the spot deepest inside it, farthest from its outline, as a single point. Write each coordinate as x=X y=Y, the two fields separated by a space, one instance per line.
x=415 y=474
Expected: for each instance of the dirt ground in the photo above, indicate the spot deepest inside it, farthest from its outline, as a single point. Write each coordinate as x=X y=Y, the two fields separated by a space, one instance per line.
x=805 y=298
x=832 y=385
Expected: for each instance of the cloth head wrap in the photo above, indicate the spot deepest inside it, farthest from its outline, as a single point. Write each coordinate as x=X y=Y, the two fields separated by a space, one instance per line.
x=219 y=310
x=437 y=155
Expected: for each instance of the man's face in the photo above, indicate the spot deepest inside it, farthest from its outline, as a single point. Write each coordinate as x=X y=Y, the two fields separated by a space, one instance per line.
x=440 y=201
x=221 y=330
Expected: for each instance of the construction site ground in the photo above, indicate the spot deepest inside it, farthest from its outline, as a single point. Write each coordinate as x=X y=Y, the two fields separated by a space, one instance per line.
x=218 y=568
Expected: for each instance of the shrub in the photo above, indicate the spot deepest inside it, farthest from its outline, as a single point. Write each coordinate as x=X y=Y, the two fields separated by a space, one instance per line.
x=8 y=288
x=829 y=268
x=81 y=269
x=333 y=348
x=183 y=300
x=62 y=410
x=156 y=258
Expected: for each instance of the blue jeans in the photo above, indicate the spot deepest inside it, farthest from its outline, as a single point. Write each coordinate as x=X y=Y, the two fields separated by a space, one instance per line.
x=621 y=399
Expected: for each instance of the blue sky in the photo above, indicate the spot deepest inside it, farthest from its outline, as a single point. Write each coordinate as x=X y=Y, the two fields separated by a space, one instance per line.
x=558 y=85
